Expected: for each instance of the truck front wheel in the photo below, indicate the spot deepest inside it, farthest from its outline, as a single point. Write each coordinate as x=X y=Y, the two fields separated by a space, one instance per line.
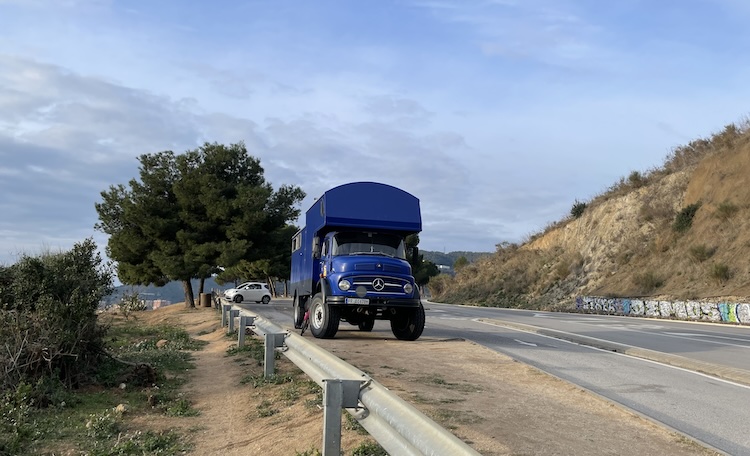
x=324 y=318
x=408 y=324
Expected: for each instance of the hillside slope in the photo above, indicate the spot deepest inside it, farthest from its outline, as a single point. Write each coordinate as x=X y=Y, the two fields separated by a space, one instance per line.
x=679 y=232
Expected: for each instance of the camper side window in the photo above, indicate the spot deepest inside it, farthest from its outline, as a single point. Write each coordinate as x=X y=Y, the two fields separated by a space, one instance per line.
x=316 y=247
x=296 y=242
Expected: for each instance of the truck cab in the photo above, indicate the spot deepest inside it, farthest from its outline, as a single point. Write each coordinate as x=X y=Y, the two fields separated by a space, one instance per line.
x=350 y=262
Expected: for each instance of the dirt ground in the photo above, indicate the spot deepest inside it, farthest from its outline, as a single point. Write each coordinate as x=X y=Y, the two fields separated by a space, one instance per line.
x=495 y=404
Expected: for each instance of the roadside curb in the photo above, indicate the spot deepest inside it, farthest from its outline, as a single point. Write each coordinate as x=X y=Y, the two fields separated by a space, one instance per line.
x=715 y=370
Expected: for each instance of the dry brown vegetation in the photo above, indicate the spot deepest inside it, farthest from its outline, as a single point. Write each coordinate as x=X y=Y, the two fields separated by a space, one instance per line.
x=677 y=232
x=495 y=404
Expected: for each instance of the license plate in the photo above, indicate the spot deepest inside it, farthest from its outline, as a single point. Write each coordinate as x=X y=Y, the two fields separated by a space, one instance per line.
x=360 y=301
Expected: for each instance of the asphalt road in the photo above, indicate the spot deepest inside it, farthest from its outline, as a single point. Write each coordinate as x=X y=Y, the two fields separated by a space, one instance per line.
x=725 y=345
x=704 y=407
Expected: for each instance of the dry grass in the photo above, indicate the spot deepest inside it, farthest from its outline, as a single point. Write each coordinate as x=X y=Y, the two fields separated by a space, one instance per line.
x=648 y=233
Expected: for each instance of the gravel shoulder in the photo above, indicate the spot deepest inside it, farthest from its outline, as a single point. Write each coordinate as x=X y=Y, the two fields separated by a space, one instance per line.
x=495 y=404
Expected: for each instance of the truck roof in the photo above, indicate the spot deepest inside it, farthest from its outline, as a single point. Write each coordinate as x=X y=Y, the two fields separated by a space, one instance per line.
x=365 y=205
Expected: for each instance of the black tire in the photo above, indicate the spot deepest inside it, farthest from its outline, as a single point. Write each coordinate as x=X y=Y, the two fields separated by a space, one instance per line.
x=367 y=324
x=408 y=324
x=299 y=312
x=324 y=318
x=266 y=299
x=237 y=298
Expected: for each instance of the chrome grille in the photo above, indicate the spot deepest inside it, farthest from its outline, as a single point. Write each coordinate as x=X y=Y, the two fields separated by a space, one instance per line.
x=393 y=285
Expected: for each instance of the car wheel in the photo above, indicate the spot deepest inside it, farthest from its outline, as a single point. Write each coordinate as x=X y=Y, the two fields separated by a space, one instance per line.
x=408 y=324
x=266 y=299
x=237 y=298
x=324 y=318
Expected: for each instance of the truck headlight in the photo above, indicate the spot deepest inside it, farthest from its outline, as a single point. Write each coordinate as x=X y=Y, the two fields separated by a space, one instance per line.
x=408 y=288
x=344 y=285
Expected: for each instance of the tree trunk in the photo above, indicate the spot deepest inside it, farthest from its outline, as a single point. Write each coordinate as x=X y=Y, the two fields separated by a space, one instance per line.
x=269 y=281
x=200 y=287
x=189 y=299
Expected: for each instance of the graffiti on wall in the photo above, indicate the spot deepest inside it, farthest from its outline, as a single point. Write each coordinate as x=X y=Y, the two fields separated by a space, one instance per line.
x=680 y=310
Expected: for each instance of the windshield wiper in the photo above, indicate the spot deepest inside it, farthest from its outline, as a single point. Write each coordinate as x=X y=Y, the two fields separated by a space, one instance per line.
x=372 y=253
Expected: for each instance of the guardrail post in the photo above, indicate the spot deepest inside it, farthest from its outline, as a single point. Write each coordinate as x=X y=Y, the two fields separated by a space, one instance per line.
x=338 y=394
x=225 y=308
x=233 y=313
x=245 y=321
x=272 y=341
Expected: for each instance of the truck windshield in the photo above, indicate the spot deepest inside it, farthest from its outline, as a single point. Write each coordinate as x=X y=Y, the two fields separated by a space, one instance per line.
x=353 y=243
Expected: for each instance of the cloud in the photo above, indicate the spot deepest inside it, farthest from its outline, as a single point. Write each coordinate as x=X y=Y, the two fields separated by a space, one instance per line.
x=88 y=118
x=65 y=137
x=540 y=31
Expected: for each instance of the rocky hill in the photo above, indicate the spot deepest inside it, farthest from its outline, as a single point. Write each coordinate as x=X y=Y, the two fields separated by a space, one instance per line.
x=678 y=232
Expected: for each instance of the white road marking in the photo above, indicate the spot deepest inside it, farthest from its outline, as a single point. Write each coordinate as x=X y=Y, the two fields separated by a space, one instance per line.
x=706 y=335
x=526 y=343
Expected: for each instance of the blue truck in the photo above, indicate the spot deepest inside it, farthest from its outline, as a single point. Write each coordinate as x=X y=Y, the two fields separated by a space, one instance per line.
x=349 y=262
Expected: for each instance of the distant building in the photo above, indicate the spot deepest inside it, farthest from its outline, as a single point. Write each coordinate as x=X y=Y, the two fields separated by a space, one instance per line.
x=445 y=269
x=157 y=303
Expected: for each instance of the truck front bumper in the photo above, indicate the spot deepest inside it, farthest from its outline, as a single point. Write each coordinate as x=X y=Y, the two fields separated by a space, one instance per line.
x=372 y=301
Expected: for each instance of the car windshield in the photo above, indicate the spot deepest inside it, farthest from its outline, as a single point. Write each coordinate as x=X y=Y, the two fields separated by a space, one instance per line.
x=366 y=243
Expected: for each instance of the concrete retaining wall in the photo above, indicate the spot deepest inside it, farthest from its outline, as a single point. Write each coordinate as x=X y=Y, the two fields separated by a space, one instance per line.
x=679 y=310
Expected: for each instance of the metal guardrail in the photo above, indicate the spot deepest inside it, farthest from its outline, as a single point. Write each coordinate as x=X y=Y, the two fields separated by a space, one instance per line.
x=397 y=426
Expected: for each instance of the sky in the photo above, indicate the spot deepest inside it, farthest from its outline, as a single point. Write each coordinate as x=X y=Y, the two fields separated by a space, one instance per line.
x=497 y=114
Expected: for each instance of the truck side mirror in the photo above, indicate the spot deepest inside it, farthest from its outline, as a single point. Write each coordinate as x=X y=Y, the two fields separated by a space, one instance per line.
x=316 y=247
x=415 y=254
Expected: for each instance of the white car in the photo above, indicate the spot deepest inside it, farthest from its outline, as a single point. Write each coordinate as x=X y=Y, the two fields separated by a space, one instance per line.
x=249 y=291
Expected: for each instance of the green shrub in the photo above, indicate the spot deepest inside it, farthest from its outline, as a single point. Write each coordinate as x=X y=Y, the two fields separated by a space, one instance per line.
x=310 y=452
x=562 y=270
x=351 y=424
x=726 y=210
x=253 y=348
x=701 y=252
x=88 y=417
x=266 y=409
x=636 y=179
x=369 y=448
x=720 y=272
x=578 y=209
x=48 y=317
x=181 y=407
x=131 y=302
x=648 y=281
x=141 y=443
x=103 y=425
x=684 y=219
x=460 y=263
x=16 y=425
